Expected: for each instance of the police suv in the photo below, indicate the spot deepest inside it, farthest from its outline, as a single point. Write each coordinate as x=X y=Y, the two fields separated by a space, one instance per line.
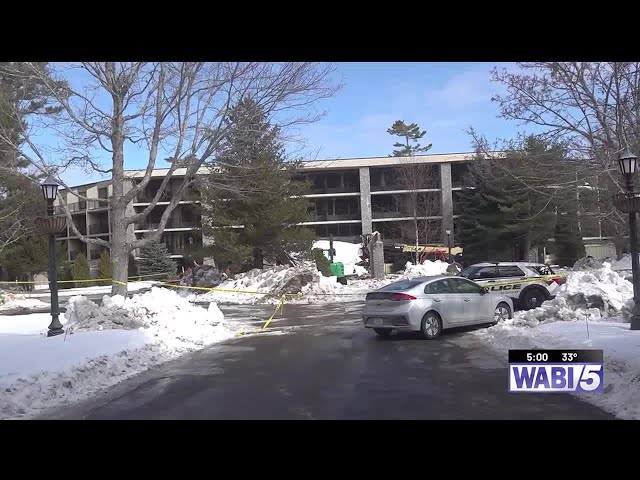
x=528 y=284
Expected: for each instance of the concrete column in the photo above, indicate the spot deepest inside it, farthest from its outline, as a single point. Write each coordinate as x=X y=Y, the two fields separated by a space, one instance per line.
x=446 y=196
x=377 y=258
x=365 y=200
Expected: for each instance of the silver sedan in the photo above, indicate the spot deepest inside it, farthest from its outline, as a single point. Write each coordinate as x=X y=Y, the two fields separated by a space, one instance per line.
x=432 y=304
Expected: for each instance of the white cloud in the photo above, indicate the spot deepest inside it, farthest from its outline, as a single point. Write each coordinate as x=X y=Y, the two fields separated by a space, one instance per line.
x=462 y=91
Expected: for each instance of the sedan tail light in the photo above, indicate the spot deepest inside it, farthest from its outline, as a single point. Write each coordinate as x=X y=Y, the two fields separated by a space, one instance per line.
x=402 y=296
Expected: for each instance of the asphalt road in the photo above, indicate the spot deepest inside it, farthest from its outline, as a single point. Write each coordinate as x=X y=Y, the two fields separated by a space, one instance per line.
x=318 y=362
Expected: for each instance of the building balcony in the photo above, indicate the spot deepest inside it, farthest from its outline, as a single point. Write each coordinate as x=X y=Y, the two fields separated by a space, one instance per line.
x=96 y=204
x=74 y=207
x=328 y=218
x=398 y=214
x=147 y=197
x=98 y=229
x=170 y=224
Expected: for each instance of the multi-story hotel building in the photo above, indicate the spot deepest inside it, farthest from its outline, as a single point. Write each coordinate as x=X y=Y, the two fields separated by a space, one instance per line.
x=348 y=197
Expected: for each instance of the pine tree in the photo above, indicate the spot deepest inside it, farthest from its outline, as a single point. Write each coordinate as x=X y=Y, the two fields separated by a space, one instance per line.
x=156 y=259
x=508 y=206
x=81 y=271
x=20 y=198
x=132 y=271
x=258 y=190
x=104 y=267
x=411 y=133
x=569 y=247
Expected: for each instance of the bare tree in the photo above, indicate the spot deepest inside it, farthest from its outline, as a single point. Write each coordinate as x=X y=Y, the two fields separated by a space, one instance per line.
x=415 y=177
x=592 y=107
x=176 y=110
x=421 y=182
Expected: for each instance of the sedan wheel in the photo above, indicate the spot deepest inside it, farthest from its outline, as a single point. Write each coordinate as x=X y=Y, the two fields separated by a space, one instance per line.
x=431 y=326
x=501 y=313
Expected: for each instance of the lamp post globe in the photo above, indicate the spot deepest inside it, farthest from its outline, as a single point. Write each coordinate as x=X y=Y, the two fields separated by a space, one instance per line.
x=627 y=162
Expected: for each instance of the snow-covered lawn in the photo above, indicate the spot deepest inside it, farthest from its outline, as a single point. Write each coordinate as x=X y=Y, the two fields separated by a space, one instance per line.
x=103 y=346
x=101 y=289
x=14 y=302
x=11 y=302
x=591 y=311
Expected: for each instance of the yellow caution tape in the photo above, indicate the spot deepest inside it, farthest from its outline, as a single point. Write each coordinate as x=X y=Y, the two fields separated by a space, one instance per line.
x=489 y=283
x=279 y=307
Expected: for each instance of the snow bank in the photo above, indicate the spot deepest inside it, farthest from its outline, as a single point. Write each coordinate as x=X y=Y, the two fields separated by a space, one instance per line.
x=426 y=269
x=620 y=345
x=15 y=303
x=587 y=263
x=623 y=264
x=104 y=345
x=257 y=286
x=167 y=317
x=315 y=288
x=590 y=295
x=589 y=312
x=329 y=290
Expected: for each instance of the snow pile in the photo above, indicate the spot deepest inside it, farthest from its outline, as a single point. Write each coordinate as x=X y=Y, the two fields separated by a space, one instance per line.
x=620 y=345
x=304 y=284
x=623 y=264
x=588 y=295
x=169 y=318
x=587 y=263
x=601 y=288
x=426 y=269
x=329 y=290
x=17 y=303
x=257 y=286
x=103 y=346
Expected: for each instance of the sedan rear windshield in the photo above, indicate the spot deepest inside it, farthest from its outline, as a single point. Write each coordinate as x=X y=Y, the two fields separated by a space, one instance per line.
x=401 y=285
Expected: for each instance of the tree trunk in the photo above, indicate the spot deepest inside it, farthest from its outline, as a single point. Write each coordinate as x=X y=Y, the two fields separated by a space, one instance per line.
x=119 y=249
x=415 y=224
x=119 y=256
x=621 y=243
x=527 y=247
x=258 y=260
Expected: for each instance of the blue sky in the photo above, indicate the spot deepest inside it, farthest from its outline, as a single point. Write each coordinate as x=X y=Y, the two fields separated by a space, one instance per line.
x=444 y=99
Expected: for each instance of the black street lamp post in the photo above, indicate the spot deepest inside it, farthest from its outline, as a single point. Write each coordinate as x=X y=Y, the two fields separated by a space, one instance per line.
x=51 y=225
x=629 y=202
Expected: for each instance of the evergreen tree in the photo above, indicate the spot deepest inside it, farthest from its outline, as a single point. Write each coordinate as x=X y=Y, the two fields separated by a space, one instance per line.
x=65 y=274
x=257 y=190
x=508 y=207
x=81 y=271
x=411 y=133
x=104 y=267
x=30 y=256
x=132 y=268
x=568 y=247
x=20 y=197
x=156 y=259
